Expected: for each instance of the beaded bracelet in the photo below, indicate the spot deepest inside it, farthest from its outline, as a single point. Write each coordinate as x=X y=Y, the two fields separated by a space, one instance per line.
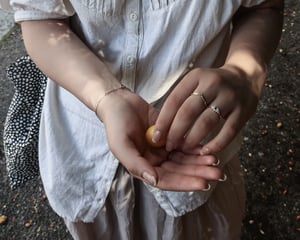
x=105 y=94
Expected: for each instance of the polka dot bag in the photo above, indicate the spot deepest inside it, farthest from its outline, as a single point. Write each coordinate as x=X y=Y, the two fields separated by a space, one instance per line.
x=21 y=127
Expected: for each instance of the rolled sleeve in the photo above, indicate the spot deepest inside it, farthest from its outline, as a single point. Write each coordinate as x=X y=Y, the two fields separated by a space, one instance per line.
x=41 y=10
x=251 y=3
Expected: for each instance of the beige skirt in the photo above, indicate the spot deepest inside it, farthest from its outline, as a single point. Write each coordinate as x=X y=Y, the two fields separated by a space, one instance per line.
x=132 y=213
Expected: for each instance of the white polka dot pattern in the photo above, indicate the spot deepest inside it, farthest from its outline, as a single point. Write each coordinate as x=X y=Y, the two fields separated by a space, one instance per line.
x=21 y=127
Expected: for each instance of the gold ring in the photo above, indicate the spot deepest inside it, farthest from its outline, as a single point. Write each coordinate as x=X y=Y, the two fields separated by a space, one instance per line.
x=201 y=97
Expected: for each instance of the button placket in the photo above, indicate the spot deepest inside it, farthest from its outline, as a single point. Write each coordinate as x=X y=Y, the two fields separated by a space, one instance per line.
x=132 y=43
x=130 y=60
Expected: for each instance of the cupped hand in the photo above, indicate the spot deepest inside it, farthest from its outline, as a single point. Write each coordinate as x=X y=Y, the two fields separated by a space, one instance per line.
x=201 y=100
x=126 y=117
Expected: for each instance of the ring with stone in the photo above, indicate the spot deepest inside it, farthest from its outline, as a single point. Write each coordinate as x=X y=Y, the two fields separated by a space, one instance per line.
x=216 y=110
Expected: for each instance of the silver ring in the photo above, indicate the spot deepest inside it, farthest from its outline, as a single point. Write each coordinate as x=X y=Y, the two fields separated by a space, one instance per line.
x=216 y=110
x=201 y=97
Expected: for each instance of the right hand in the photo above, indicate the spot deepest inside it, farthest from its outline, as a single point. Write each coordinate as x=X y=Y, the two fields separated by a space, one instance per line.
x=126 y=117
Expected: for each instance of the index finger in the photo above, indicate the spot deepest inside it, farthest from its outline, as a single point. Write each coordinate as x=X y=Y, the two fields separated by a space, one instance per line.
x=171 y=106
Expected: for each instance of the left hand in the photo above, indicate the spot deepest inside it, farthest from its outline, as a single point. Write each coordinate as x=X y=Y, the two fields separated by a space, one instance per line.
x=187 y=116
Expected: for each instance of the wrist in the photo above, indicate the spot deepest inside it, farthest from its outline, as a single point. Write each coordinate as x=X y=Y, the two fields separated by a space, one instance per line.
x=250 y=70
x=97 y=108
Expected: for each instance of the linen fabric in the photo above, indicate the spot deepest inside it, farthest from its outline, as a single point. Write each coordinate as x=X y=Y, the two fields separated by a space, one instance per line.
x=147 y=45
x=131 y=212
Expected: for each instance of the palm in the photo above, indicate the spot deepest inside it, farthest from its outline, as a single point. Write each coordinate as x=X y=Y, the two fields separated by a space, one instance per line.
x=126 y=123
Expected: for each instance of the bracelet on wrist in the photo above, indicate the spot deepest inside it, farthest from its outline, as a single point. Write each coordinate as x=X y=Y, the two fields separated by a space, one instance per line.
x=106 y=94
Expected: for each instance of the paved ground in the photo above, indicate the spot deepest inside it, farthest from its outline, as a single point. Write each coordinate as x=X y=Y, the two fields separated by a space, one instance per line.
x=6 y=23
x=270 y=153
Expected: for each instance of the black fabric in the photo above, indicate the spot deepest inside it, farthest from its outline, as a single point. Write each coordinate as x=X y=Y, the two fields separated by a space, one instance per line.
x=22 y=122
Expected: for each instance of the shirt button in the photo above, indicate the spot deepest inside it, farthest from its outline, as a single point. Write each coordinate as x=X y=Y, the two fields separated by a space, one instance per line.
x=130 y=59
x=191 y=65
x=133 y=16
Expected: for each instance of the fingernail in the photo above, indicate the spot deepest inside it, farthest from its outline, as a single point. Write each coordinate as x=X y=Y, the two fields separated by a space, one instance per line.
x=156 y=136
x=223 y=179
x=149 y=179
x=207 y=189
x=169 y=146
x=204 y=151
x=217 y=163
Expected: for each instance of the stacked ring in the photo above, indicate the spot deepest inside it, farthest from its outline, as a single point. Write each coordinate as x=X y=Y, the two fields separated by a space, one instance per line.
x=215 y=109
x=201 y=97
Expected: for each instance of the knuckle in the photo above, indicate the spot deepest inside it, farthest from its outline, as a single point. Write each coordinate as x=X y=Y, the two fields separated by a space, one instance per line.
x=216 y=80
x=209 y=120
x=186 y=113
x=174 y=99
x=231 y=96
x=195 y=72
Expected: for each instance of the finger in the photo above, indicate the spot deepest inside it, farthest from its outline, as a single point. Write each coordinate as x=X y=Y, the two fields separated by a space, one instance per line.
x=205 y=172
x=135 y=163
x=152 y=115
x=193 y=150
x=177 y=182
x=184 y=119
x=210 y=118
x=192 y=159
x=170 y=108
x=230 y=129
x=206 y=122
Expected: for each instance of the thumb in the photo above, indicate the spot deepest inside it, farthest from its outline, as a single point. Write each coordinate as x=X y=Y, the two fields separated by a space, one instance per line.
x=135 y=163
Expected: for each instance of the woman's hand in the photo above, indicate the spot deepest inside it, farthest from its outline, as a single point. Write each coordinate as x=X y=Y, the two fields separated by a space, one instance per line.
x=126 y=117
x=231 y=91
x=201 y=100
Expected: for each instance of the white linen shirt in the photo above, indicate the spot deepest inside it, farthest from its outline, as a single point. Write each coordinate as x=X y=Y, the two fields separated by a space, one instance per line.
x=147 y=45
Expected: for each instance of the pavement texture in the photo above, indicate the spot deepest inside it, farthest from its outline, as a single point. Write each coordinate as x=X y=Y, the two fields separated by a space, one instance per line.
x=6 y=23
x=270 y=153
